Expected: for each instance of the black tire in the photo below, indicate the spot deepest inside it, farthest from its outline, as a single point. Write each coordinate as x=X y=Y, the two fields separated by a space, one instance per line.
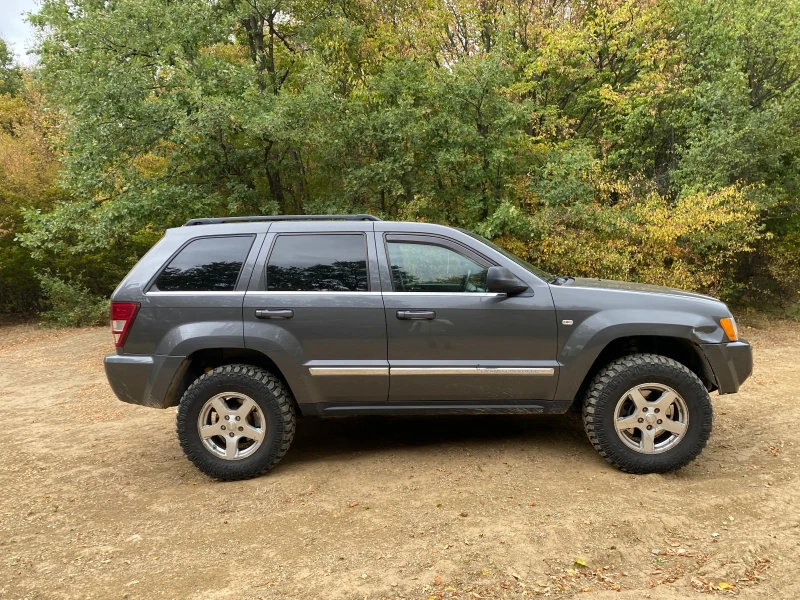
x=611 y=384
x=267 y=391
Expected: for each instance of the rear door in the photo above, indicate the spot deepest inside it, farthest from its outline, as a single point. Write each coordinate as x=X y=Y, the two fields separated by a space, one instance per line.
x=314 y=306
x=451 y=340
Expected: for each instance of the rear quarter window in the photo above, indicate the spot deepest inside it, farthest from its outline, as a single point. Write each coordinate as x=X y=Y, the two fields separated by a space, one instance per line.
x=211 y=264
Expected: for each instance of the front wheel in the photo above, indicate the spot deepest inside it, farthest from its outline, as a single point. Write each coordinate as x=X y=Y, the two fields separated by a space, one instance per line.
x=647 y=413
x=236 y=422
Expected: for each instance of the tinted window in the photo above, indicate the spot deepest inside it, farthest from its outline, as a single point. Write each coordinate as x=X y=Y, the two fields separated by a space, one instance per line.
x=206 y=265
x=429 y=268
x=310 y=263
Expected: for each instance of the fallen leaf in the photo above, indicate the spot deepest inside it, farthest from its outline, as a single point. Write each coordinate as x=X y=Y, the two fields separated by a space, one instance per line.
x=725 y=586
x=699 y=583
x=352 y=505
x=437 y=581
x=580 y=562
x=532 y=504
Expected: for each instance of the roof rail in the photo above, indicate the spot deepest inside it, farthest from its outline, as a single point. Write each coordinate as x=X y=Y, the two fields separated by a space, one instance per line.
x=217 y=220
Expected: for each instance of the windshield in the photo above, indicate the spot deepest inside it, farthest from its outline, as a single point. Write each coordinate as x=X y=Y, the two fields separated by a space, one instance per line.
x=541 y=273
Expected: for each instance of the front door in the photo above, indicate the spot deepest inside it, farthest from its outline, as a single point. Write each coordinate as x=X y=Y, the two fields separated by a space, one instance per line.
x=316 y=310
x=451 y=340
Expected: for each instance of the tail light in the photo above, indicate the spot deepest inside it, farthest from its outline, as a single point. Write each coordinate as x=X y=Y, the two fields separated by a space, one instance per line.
x=122 y=316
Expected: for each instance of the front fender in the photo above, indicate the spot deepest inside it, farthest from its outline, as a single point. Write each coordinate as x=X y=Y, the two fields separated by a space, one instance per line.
x=581 y=343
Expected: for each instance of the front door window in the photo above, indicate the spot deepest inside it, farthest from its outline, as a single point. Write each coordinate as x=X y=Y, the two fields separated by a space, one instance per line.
x=419 y=267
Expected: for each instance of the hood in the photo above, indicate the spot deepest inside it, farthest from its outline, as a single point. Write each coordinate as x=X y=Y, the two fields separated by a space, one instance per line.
x=627 y=286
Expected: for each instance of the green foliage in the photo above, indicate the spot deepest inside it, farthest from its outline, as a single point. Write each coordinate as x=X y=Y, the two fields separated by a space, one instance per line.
x=624 y=138
x=19 y=287
x=70 y=304
x=10 y=74
x=28 y=169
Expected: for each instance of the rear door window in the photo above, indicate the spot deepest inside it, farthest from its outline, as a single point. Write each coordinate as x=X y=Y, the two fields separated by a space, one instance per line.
x=318 y=263
x=209 y=264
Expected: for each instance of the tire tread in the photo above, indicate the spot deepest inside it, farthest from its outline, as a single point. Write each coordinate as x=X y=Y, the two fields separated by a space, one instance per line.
x=596 y=400
x=277 y=393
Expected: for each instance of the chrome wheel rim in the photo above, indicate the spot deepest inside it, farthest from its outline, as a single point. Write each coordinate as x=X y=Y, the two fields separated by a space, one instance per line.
x=651 y=418
x=231 y=426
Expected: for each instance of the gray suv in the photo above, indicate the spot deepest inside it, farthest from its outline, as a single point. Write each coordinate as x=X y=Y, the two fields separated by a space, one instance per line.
x=245 y=323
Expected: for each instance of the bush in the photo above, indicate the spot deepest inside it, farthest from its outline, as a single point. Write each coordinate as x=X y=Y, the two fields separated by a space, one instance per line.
x=19 y=287
x=693 y=243
x=71 y=304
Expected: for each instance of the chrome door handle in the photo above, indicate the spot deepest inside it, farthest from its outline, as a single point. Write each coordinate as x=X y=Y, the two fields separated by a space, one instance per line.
x=277 y=313
x=415 y=315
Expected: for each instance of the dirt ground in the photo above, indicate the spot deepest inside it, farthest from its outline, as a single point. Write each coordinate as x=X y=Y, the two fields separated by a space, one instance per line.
x=97 y=500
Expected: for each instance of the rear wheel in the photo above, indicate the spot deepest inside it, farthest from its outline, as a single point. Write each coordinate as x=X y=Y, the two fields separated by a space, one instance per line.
x=236 y=422
x=646 y=413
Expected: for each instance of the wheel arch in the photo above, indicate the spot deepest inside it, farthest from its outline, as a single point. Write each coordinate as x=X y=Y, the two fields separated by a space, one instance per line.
x=201 y=361
x=679 y=349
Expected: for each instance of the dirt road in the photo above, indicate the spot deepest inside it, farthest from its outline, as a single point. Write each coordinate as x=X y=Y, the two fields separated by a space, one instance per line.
x=97 y=501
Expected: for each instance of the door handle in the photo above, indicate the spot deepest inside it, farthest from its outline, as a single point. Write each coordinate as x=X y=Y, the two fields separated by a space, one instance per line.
x=415 y=315
x=277 y=313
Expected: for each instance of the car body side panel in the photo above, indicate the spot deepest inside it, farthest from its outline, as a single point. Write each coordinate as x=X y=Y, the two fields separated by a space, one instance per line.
x=614 y=314
x=333 y=348
x=179 y=323
x=510 y=342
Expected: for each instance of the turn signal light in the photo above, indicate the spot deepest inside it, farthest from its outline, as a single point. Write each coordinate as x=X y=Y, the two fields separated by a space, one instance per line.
x=122 y=316
x=729 y=327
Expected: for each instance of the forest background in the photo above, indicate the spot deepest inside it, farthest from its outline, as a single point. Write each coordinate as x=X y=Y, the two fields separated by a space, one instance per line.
x=646 y=140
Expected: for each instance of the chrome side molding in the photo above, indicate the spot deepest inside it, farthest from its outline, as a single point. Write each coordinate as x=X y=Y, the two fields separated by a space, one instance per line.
x=350 y=371
x=360 y=371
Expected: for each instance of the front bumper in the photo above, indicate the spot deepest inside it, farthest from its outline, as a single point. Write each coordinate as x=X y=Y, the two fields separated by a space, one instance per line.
x=141 y=379
x=731 y=363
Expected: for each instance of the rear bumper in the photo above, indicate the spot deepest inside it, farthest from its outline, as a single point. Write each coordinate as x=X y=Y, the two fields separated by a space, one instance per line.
x=731 y=363
x=141 y=379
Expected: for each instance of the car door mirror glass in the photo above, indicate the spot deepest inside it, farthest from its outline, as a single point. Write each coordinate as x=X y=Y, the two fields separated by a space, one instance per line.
x=502 y=280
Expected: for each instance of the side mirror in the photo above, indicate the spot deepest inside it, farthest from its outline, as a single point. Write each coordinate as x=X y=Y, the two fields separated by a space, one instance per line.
x=502 y=280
